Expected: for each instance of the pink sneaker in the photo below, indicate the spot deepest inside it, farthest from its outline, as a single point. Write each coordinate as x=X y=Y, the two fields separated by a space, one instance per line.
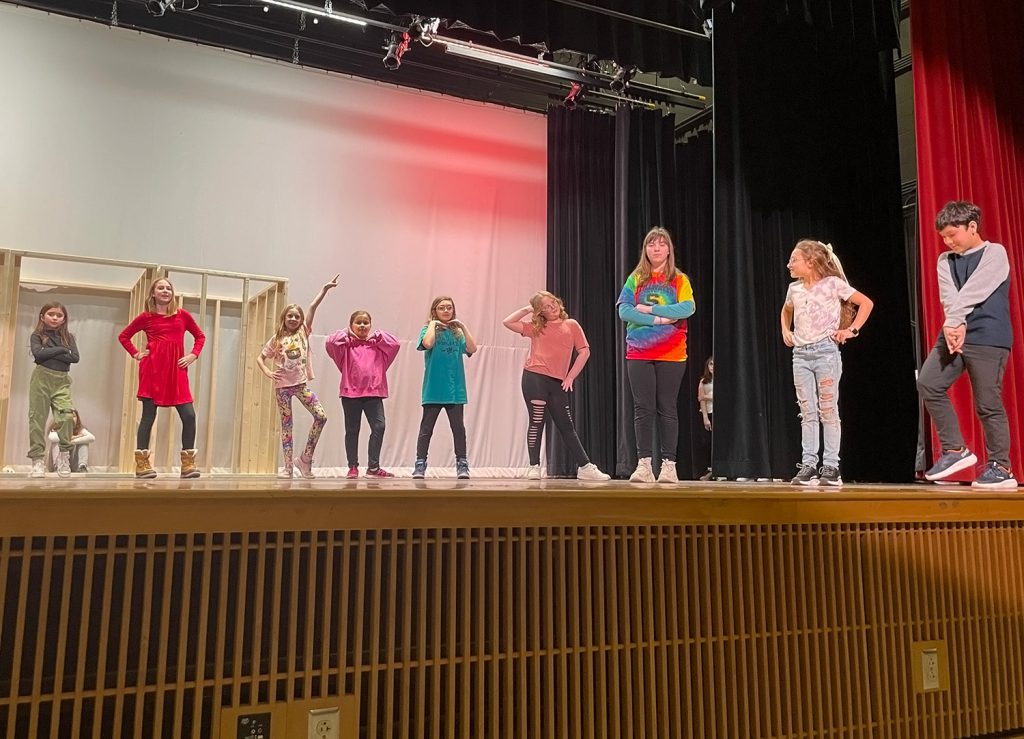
x=304 y=466
x=353 y=473
x=379 y=472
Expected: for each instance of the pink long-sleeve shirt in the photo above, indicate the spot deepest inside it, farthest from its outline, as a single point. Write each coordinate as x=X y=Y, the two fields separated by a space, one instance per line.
x=363 y=364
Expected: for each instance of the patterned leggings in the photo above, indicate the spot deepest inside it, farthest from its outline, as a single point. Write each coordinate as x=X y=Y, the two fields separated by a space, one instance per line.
x=284 y=404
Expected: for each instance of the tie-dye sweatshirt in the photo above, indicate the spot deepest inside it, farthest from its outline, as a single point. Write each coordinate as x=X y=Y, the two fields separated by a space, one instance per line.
x=668 y=299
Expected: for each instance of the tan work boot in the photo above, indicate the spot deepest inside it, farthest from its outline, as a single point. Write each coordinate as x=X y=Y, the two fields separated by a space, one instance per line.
x=142 y=466
x=188 y=464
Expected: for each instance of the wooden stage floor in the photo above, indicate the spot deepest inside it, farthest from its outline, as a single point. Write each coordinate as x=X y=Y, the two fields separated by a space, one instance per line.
x=99 y=503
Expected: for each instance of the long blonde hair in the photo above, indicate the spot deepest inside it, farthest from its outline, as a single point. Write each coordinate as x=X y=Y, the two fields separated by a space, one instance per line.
x=172 y=307
x=644 y=269
x=823 y=261
x=539 y=321
x=282 y=329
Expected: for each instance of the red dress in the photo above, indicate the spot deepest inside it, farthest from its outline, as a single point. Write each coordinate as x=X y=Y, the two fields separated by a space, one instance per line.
x=160 y=378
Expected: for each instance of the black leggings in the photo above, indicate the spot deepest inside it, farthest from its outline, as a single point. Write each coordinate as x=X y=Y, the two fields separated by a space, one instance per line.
x=543 y=393
x=655 y=387
x=455 y=419
x=354 y=409
x=187 y=414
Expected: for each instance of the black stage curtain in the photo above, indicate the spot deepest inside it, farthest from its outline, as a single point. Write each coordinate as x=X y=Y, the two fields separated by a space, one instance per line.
x=695 y=244
x=561 y=26
x=610 y=180
x=806 y=146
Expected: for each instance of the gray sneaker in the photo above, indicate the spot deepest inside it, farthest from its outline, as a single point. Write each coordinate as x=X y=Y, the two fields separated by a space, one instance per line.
x=995 y=477
x=951 y=462
x=830 y=476
x=806 y=475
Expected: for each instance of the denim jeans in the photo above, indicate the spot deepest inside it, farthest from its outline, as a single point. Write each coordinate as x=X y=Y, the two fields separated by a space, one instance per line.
x=817 y=369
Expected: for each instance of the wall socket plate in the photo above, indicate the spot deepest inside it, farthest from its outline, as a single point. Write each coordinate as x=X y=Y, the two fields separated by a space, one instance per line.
x=929 y=664
x=324 y=723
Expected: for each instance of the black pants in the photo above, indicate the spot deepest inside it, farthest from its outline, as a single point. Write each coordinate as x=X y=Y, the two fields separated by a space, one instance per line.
x=187 y=414
x=655 y=387
x=354 y=409
x=985 y=365
x=543 y=393
x=455 y=419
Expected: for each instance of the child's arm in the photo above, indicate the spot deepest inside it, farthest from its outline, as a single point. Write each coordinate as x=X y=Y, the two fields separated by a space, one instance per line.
x=125 y=337
x=430 y=335
x=335 y=345
x=387 y=345
x=85 y=437
x=787 y=324
x=514 y=320
x=261 y=362
x=71 y=356
x=630 y=314
x=198 y=340
x=471 y=346
x=702 y=401
x=311 y=311
x=582 y=355
x=44 y=353
x=864 y=306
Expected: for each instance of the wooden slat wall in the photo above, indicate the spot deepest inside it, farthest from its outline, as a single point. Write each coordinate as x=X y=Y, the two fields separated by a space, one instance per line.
x=602 y=631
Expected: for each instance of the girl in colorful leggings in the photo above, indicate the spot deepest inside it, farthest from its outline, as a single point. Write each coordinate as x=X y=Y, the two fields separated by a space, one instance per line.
x=285 y=359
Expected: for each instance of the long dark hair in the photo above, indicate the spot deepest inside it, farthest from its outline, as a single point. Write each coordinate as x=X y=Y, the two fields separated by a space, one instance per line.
x=66 y=337
x=709 y=374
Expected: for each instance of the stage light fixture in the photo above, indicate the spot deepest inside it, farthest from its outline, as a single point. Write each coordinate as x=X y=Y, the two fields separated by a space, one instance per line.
x=622 y=78
x=159 y=7
x=395 y=48
x=423 y=29
x=575 y=93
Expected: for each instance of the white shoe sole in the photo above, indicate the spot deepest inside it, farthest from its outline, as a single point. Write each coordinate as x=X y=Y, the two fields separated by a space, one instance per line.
x=968 y=461
x=1010 y=484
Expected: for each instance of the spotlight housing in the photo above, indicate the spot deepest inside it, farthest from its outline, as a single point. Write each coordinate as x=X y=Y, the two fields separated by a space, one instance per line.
x=395 y=48
x=575 y=93
x=622 y=78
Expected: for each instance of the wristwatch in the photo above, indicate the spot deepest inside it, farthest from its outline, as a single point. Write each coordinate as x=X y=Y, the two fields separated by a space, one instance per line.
x=854 y=331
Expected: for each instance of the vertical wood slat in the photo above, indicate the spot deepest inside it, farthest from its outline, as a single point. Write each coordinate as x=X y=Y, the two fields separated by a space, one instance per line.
x=853 y=597
x=10 y=277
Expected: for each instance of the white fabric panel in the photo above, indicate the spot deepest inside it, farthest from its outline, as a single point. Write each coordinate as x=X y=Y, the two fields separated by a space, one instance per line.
x=121 y=145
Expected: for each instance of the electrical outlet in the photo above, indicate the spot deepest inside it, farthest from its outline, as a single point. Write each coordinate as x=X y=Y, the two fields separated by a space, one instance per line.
x=930 y=669
x=324 y=723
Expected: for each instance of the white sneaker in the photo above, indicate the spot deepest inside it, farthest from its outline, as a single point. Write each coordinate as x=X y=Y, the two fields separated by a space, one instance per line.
x=643 y=471
x=668 y=471
x=591 y=472
x=534 y=472
x=284 y=474
x=38 y=468
x=64 y=464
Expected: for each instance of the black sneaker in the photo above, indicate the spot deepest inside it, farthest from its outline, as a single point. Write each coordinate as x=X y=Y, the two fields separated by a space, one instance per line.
x=830 y=476
x=420 y=470
x=951 y=462
x=995 y=477
x=462 y=468
x=806 y=475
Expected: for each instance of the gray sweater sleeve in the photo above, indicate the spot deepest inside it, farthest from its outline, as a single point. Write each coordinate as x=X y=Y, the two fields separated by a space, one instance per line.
x=992 y=270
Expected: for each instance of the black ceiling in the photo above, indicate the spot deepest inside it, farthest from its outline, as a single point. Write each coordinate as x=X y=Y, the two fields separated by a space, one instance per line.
x=525 y=27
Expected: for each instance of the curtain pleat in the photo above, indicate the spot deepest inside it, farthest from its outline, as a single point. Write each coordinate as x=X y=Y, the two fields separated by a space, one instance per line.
x=969 y=117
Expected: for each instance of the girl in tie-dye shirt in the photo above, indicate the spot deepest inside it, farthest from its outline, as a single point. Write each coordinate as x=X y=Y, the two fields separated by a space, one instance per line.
x=655 y=303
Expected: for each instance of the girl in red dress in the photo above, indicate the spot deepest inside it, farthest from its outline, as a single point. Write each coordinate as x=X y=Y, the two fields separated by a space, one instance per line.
x=163 y=372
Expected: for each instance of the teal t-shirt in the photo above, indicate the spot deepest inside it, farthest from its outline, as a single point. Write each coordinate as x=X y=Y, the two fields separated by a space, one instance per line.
x=444 y=374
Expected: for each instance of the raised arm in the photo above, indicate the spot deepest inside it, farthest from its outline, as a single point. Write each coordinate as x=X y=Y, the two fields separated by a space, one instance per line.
x=387 y=345
x=429 y=336
x=311 y=311
x=471 y=346
x=515 y=319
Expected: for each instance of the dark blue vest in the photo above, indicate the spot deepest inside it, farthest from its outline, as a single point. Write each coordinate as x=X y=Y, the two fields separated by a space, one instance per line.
x=989 y=323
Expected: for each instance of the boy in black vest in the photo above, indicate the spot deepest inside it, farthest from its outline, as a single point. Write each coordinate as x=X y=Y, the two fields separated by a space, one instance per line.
x=974 y=287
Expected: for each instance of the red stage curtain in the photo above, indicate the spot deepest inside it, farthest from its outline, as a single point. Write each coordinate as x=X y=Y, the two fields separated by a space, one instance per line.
x=969 y=112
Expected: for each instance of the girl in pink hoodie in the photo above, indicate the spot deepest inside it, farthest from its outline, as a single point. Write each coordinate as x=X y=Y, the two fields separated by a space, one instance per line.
x=363 y=357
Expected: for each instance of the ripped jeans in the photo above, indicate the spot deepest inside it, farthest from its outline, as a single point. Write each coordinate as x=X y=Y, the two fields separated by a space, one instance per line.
x=816 y=372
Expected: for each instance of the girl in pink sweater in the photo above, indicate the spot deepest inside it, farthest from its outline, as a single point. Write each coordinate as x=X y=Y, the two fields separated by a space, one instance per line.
x=363 y=357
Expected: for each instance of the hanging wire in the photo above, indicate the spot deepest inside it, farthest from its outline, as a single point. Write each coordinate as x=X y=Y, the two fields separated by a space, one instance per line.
x=113 y=14
x=295 y=52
